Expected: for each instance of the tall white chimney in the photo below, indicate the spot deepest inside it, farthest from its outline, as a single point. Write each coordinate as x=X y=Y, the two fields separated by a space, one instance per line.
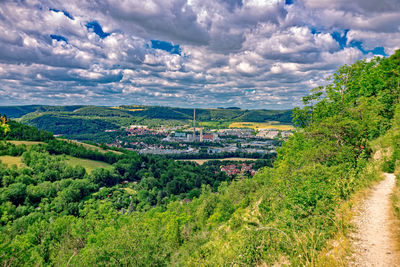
x=194 y=124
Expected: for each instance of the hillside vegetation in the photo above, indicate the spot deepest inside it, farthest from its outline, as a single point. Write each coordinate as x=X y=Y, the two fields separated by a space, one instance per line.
x=90 y=122
x=284 y=215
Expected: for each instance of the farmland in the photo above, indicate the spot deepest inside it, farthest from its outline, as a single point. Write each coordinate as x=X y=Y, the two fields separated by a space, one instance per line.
x=262 y=125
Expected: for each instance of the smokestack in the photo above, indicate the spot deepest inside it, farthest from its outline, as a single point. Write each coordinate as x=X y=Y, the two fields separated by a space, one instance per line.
x=194 y=124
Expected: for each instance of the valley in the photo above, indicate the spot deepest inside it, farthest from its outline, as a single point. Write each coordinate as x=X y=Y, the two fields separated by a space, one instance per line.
x=92 y=189
x=219 y=133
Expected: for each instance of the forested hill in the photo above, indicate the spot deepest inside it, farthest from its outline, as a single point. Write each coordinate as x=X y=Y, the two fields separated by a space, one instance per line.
x=123 y=115
x=89 y=123
x=284 y=215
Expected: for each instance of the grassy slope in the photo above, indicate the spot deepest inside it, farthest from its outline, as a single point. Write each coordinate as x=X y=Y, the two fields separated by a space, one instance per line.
x=88 y=164
x=27 y=143
x=165 y=113
x=92 y=147
x=10 y=160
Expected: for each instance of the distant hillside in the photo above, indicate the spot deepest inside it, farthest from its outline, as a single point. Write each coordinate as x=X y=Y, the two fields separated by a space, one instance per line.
x=19 y=111
x=153 y=112
x=74 y=121
x=229 y=114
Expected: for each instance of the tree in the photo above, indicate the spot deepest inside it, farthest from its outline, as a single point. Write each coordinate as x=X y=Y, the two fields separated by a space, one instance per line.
x=4 y=127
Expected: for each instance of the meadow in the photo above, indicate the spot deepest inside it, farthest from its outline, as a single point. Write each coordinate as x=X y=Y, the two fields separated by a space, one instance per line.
x=262 y=125
x=27 y=143
x=88 y=164
x=90 y=147
x=10 y=160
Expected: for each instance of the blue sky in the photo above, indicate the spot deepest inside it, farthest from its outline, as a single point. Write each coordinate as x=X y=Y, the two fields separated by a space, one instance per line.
x=189 y=53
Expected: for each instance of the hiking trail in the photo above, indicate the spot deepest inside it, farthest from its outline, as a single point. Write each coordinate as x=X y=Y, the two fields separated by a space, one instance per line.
x=373 y=240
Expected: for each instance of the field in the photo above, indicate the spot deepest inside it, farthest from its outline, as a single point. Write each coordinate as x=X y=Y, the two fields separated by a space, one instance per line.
x=262 y=125
x=202 y=161
x=27 y=143
x=130 y=190
x=9 y=160
x=214 y=124
x=129 y=109
x=91 y=147
x=88 y=164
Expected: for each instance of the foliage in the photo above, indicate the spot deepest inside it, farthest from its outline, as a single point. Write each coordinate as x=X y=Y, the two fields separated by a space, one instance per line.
x=4 y=127
x=24 y=132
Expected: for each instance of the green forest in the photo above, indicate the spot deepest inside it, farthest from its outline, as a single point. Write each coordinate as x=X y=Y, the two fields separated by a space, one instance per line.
x=154 y=211
x=89 y=122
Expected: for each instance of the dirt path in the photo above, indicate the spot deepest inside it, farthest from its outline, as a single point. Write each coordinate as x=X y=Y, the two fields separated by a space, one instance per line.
x=373 y=241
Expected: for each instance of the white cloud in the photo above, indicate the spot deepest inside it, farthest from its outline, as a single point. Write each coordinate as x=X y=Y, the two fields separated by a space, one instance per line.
x=254 y=53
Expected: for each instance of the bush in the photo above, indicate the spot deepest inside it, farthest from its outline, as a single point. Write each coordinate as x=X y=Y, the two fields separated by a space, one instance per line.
x=388 y=166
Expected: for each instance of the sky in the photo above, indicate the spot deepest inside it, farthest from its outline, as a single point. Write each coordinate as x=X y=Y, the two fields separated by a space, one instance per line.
x=188 y=53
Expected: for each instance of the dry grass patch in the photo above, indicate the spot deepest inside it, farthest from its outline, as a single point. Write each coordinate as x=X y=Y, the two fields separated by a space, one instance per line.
x=262 y=125
x=27 y=143
x=10 y=160
x=130 y=190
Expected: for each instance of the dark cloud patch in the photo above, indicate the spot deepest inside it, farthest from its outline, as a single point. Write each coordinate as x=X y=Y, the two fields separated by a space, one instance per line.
x=167 y=20
x=233 y=4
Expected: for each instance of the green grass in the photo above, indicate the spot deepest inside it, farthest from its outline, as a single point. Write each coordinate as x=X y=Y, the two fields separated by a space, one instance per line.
x=27 y=143
x=91 y=147
x=88 y=164
x=10 y=160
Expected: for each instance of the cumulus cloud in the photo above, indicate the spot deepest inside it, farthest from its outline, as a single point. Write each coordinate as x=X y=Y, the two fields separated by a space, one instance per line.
x=248 y=53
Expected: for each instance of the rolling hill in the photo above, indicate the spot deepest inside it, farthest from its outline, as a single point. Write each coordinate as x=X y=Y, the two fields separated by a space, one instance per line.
x=78 y=121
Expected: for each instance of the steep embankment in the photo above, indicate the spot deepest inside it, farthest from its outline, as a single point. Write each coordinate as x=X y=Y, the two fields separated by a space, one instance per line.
x=373 y=240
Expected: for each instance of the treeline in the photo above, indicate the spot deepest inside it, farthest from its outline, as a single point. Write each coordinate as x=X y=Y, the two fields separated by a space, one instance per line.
x=20 y=131
x=70 y=126
x=222 y=155
x=47 y=189
x=157 y=179
x=61 y=147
